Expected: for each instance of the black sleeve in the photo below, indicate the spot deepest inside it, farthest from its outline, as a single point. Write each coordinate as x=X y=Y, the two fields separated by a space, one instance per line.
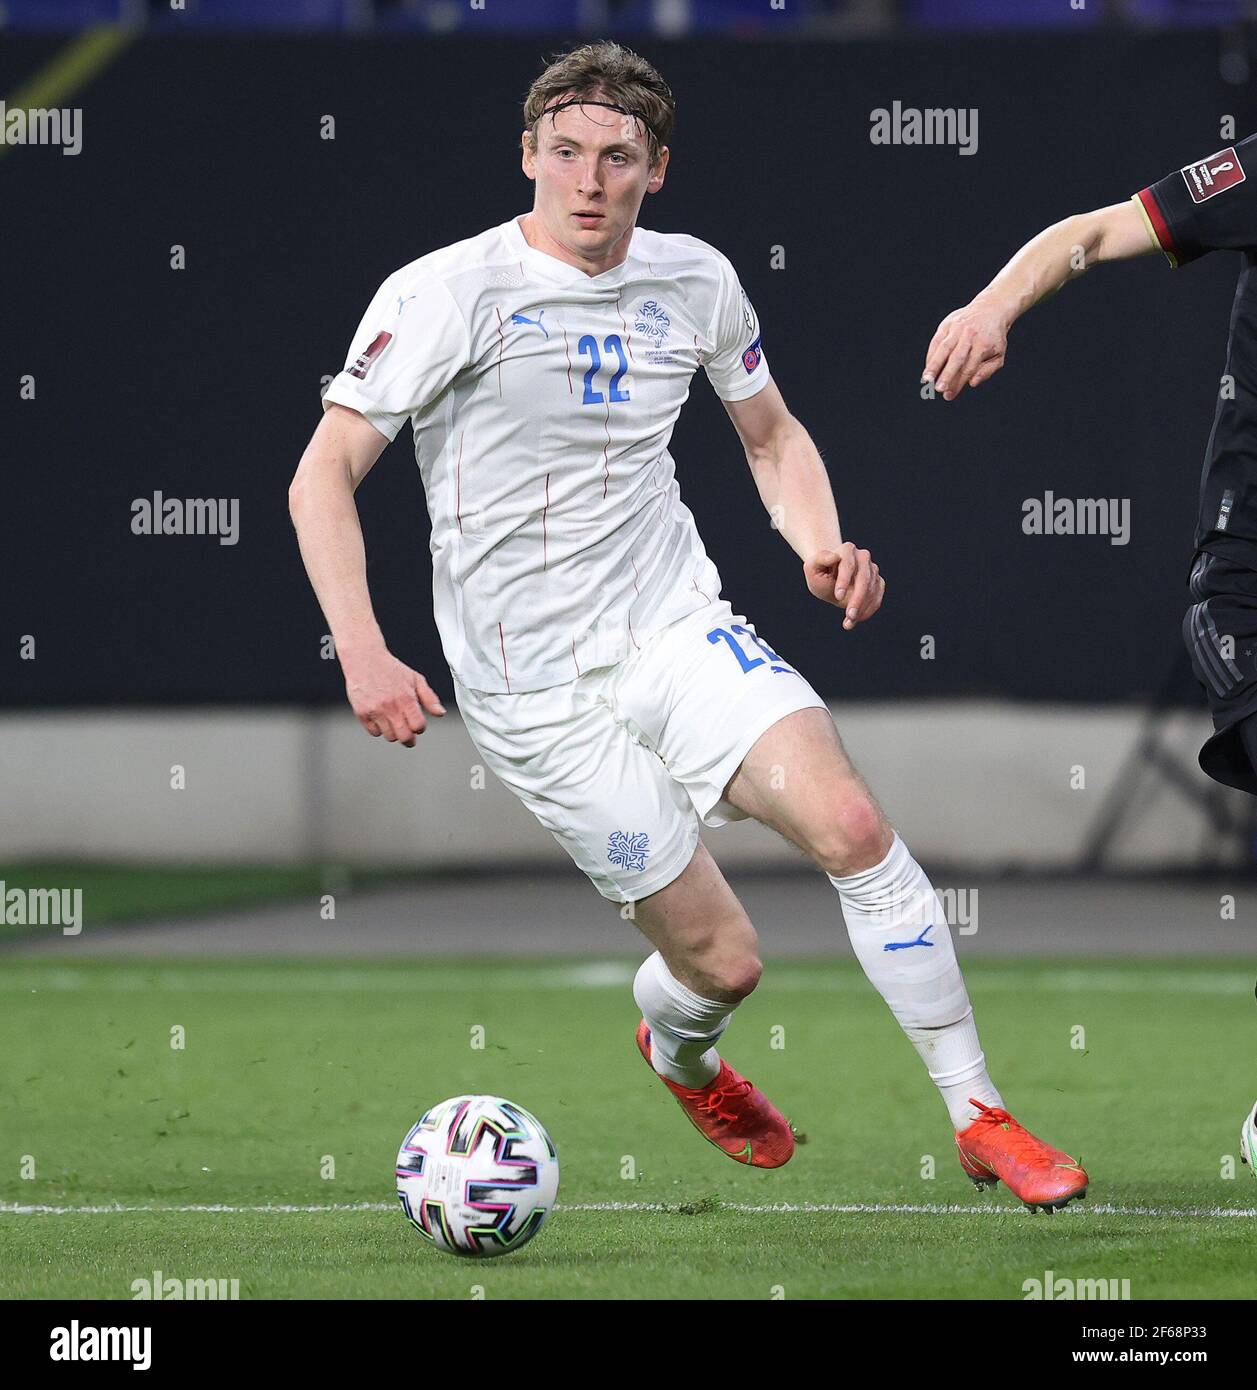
x=1210 y=205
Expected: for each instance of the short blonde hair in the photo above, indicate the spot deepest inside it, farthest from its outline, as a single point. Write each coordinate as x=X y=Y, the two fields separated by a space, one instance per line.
x=612 y=73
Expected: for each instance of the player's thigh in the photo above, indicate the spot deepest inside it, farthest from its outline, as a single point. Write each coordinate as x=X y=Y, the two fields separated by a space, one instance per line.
x=798 y=779
x=605 y=797
x=1220 y=633
x=704 y=694
x=746 y=734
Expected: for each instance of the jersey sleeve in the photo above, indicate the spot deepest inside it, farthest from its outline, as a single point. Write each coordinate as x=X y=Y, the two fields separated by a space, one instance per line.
x=737 y=368
x=412 y=342
x=1210 y=205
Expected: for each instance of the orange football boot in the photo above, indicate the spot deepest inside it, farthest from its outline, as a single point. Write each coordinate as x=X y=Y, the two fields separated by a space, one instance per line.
x=730 y=1113
x=996 y=1148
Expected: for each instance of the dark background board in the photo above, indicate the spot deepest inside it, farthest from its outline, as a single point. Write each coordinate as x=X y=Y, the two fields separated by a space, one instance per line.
x=205 y=382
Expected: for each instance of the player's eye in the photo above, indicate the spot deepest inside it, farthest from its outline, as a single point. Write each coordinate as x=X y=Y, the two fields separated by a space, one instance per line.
x=616 y=155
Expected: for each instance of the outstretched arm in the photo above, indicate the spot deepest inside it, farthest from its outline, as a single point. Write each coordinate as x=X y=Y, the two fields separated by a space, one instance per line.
x=969 y=345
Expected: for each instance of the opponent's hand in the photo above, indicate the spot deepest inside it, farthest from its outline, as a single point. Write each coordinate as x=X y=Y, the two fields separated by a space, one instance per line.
x=847 y=578
x=389 y=698
x=968 y=348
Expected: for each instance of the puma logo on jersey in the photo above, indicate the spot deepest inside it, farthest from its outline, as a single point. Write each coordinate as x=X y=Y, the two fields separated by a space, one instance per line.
x=536 y=323
x=401 y=303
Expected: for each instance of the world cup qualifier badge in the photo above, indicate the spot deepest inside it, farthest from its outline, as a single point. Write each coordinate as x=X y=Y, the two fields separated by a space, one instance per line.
x=1214 y=175
x=365 y=359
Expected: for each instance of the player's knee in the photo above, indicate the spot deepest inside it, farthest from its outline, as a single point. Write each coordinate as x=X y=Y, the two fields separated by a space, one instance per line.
x=854 y=837
x=747 y=979
x=731 y=977
x=741 y=977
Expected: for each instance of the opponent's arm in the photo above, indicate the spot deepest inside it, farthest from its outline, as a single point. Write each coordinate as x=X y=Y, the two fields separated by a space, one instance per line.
x=969 y=345
x=386 y=695
x=794 y=486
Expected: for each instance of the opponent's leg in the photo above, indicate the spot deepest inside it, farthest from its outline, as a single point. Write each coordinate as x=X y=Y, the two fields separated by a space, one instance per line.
x=1248 y=737
x=1218 y=630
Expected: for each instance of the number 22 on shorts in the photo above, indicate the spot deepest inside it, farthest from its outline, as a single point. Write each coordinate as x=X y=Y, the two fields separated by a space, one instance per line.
x=747 y=663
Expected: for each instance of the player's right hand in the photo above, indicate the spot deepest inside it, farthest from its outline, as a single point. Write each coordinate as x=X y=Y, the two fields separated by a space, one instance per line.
x=389 y=698
x=967 y=349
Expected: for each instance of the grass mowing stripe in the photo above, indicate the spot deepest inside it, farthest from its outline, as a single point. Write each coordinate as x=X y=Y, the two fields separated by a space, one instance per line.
x=118 y=895
x=434 y=976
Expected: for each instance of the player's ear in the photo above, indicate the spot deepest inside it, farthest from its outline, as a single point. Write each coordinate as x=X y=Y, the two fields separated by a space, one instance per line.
x=657 y=172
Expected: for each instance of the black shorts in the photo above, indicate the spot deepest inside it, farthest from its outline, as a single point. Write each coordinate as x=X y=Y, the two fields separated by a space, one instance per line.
x=1220 y=631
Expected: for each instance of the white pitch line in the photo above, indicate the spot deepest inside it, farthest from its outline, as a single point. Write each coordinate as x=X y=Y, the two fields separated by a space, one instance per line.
x=918 y=1209
x=773 y=1208
x=20 y=1209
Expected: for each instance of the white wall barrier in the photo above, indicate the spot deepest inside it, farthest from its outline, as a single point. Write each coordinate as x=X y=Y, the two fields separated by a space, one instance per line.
x=984 y=784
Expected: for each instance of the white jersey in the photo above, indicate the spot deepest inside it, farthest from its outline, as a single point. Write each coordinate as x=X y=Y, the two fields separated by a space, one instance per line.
x=542 y=401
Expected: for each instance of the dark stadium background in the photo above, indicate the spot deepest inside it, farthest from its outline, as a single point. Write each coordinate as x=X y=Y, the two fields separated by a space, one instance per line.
x=205 y=382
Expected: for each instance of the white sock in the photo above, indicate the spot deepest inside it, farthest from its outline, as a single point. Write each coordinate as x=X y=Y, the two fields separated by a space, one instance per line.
x=893 y=905
x=957 y=1065
x=684 y=1027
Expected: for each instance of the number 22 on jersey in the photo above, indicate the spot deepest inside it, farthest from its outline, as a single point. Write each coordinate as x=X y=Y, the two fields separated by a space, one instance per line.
x=610 y=344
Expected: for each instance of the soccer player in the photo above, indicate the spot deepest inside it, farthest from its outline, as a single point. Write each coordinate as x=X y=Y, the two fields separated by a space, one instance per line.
x=599 y=672
x=1210 y=205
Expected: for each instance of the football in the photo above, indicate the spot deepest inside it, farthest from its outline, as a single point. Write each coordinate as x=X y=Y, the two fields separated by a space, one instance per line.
x=477 y=1176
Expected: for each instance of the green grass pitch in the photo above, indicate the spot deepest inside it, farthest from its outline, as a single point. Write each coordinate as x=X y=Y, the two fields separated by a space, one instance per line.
x=289 y=1064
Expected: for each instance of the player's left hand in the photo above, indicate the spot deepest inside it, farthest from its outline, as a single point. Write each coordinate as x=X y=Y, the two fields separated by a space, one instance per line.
x=849 y=579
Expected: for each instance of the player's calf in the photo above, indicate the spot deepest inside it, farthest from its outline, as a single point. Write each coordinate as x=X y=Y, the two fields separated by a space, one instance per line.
x=685 y=1026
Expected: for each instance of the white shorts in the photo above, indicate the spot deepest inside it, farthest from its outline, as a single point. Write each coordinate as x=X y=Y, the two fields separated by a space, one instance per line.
x=621 y=764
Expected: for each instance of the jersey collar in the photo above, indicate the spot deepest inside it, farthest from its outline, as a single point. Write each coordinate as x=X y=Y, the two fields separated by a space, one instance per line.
x=557 y=271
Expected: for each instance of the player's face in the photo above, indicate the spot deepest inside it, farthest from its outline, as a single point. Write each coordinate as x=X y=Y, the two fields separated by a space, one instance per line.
x=595 y=161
